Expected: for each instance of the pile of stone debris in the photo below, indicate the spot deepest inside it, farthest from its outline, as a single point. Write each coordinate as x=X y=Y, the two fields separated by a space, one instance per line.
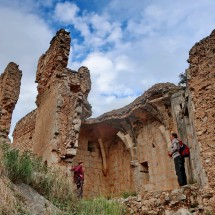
x=189 y=199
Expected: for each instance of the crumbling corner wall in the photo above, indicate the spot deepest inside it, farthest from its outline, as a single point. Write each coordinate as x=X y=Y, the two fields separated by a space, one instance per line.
x=10 y=82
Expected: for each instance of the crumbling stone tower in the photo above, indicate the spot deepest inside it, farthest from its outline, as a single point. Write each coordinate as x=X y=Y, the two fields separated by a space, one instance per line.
x=61 y=102
x=10 y=82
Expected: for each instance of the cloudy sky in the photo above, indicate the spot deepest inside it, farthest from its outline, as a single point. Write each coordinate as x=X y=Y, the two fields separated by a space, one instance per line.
x=128 y=45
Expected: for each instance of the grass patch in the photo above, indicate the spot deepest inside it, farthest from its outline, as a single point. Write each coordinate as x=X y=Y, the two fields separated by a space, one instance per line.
x=100 y=206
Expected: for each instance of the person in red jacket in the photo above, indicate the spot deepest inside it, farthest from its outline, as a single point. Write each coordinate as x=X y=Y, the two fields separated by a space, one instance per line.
x=79 y=178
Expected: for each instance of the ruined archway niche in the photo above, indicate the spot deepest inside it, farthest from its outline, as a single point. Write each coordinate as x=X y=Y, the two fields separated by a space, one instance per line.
x=10 y=82
x=106 y=161
x=125 y=150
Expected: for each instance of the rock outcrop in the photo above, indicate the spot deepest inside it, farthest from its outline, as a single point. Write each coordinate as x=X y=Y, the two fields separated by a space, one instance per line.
x=10 y=82
x=37 y=204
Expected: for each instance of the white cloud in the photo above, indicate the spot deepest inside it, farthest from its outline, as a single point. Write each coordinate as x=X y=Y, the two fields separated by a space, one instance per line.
x=24 y=37
x=66 y=12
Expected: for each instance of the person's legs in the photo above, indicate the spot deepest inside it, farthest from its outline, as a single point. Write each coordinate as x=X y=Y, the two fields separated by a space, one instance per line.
x=183 y=172
x=80 y=189
x=178 y=170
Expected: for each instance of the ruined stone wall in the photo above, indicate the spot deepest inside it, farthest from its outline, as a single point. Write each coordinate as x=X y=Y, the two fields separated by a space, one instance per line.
x=182 y=112
x=156 y=169
x=24 y=131
x=61 y=101
x=10 y=82
x=201 y=83
x=120 y=172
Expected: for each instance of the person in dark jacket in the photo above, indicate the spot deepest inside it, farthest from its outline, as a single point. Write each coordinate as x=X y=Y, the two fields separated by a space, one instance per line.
x=79 y=178
x=178 y=160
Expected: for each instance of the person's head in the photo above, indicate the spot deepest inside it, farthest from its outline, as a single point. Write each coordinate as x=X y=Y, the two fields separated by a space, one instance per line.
x=173 y=136
x=81 y=163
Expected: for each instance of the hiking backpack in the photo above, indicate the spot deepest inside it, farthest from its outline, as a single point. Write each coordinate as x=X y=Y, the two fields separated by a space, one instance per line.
x=184 y=149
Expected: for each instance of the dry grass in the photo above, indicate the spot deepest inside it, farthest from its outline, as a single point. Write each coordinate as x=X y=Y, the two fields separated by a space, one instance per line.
x=11 y=202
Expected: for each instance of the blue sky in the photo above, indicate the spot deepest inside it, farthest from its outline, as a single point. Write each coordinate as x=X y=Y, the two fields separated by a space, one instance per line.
x=127 y=45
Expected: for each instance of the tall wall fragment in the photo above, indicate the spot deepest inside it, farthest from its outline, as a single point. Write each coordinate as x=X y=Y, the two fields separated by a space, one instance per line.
x=10 y=82
x=201 y=83
x=61 y=102
x=193 y=111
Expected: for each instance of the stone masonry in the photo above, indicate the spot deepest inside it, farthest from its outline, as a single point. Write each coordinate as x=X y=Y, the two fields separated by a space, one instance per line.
x=24 y=131
x=10 y=82
x=201 y=83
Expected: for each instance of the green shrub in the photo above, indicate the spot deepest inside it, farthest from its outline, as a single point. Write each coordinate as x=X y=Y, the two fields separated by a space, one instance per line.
x=18 y=167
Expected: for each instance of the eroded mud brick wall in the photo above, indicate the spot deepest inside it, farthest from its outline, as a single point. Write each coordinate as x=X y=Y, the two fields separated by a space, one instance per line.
x=10 y=82
x=24 y=131
x=201 y=83
x=61 y=102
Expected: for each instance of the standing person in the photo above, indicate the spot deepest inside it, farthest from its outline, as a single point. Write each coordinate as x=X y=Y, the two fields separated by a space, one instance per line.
x=178 y=160
x=79 y=178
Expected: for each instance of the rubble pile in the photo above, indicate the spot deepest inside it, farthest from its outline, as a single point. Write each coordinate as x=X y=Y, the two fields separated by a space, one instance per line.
x=189 y=199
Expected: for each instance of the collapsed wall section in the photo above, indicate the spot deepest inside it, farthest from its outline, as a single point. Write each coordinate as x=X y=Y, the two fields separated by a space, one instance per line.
x=10 y=82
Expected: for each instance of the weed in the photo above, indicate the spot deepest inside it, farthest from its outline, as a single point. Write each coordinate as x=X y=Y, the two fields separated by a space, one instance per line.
x=127 y=194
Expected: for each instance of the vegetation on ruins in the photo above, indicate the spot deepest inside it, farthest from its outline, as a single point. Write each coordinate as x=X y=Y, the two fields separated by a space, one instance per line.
x=182 y=78
x=26 y=168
